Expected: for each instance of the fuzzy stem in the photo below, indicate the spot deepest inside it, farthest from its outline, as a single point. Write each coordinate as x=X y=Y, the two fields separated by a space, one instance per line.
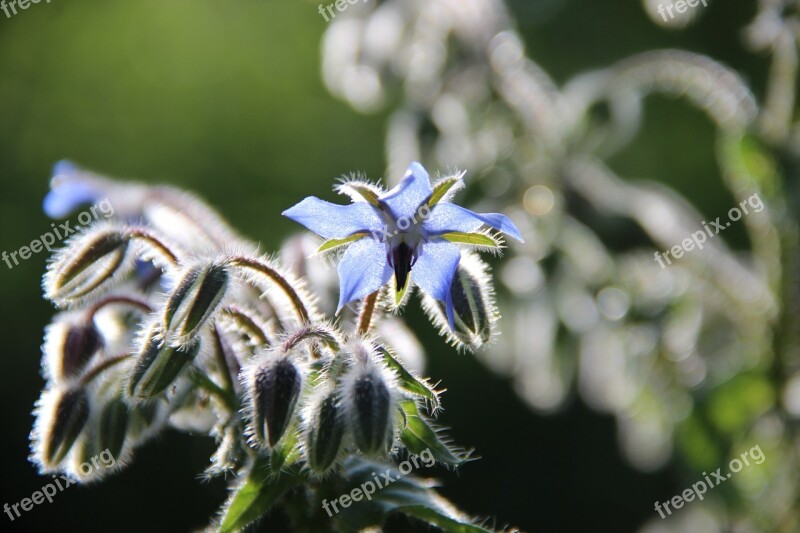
x=365 y=318
x=155 y=242
x=306 y=334
x=199 y=378
x=102 y=367
x=117 y=299
x=280 y=281
x=254 y=329
x=219 y=355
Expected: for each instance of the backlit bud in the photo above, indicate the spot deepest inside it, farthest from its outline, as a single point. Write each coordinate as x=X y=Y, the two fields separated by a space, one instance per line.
x=194 y=299
x=273 y=389
x=473 y=306
x=325 y=426
x=113 y=426
x=368 y=401
x=60 y=423
x=69 y=346
x=158 y=365
x=87 y=263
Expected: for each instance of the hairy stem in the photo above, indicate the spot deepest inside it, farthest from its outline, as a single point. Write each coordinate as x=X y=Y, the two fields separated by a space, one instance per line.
x=267 y=270
x=365 y=318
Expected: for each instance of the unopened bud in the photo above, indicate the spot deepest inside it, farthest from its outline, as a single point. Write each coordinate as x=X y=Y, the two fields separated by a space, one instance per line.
x=369 y=406
x=474 y=311
x=69 y=346
x=275 y=387
x=324 y=432
x=86 y=264
x=71 y=412
x=195 y=298
x=158 y=365
x=113 y=426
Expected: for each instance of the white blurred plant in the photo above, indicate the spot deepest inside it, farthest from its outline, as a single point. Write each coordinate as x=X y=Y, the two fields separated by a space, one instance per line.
x=699 y=358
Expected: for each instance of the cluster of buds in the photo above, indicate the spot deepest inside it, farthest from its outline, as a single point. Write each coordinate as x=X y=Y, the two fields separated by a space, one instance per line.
x=176 y=321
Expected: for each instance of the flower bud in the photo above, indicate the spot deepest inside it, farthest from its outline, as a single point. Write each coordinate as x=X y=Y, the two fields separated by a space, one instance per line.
x=69 y=416
x=324 y=432
x=274 y=389
x=195 y=298
x=369 y=407
x=158 y=365
x=474 y=310
x=69 y=346
x=89 y=261
x=113 y=426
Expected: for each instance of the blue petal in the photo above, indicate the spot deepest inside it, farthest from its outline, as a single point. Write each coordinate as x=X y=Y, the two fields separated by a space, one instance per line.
x=363 y=270
x=447 y=217
x=434 y=272
x=334 y=221
x=67 y=191
x=405 y=199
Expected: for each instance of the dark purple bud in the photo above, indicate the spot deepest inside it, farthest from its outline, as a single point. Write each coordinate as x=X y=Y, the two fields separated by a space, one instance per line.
x=276 y=387
x=324 y=434
x=369 y=406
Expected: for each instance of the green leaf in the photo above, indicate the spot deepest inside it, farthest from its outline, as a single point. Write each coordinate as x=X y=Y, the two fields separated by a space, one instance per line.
x=286 y=451
x=438 y=517
x=408 y=382
x=256 y=495
x=334 y=243
x=442 y=187
x=474 y=239
x=407 y=494
x=419 y=436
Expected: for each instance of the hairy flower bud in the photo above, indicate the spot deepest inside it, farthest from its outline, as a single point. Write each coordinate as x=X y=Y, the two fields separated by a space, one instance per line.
x=274 y=389
x=474 y=310
x=325 y=427
x=158 y=365
x=368 y=401
x=62 y=425
x=113 y=426
x=87 y=263
x=69 y=346
x=195 y=298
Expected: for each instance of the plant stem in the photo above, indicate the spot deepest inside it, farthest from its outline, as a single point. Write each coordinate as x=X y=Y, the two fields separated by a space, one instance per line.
x=155 y=242
x=117 y=299
x=365 y=318
x=102 y=367
x=222 y=361
x=266 y=269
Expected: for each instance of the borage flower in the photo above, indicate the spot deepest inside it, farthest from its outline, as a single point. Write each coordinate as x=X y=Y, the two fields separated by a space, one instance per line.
x=411 y=231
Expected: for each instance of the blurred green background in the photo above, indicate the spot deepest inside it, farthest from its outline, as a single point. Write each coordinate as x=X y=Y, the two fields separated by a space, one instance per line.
x=226 y=99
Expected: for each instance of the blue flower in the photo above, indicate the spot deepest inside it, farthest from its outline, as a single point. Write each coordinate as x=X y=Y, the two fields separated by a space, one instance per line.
x=68 y=191
x=410 y=231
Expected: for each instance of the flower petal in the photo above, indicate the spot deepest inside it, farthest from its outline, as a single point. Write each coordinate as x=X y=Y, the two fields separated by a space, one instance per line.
x=405 y=199
x=450 y=218
x=334 y=221
x=67 y=191
x=434 y=271
x=363 y=270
